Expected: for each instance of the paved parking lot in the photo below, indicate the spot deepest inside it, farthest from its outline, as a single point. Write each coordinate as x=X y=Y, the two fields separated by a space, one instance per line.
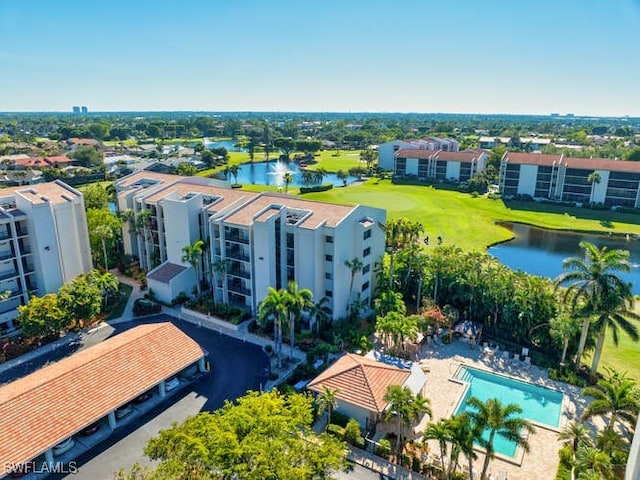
x=237 y=367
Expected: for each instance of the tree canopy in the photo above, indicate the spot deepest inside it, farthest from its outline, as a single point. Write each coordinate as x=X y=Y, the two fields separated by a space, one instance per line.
x=261 y=436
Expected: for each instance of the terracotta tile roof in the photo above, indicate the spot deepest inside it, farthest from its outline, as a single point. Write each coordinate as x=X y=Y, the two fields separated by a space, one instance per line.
x=42 y=409
x=360 y=381
x=603 y=164
x=165 y=272
x=83 y=141
x=532 y=158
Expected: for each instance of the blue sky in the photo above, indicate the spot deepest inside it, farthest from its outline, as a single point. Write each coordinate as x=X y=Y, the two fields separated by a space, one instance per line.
x=491 y=56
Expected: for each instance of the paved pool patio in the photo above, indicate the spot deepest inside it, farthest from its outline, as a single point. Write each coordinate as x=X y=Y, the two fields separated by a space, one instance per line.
x=441 y=363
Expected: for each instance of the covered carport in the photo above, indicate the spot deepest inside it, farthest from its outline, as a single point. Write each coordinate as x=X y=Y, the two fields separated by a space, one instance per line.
x=54 y=403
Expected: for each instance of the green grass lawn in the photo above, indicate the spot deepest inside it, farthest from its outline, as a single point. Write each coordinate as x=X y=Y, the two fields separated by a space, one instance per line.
x=469 y=222
x=115 y=311
x=333 y=161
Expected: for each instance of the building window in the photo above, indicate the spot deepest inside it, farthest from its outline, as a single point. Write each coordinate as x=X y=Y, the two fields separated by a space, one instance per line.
x=328 y=293
x=327 y=276
x=367 y=234
x=365 y=285
x=366 y=252
x=289 y=240
x=366 y=269
x=328 y=239
x=328 y=258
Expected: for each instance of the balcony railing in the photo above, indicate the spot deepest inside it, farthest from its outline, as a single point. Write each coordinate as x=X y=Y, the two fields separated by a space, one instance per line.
x=8 y=275
x=236 y=237
x=238 y=288
x=237 y=254
x=241 y=273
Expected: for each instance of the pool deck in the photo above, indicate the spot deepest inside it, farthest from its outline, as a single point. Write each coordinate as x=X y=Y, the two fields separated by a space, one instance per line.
x=541 y=462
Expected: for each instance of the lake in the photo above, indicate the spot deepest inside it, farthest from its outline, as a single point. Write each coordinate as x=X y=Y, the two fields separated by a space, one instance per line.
x=540 y=252
x=230 y=145
x=272 y=173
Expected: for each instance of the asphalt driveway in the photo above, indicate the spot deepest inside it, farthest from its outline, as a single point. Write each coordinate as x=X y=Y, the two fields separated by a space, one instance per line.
x=237 y=367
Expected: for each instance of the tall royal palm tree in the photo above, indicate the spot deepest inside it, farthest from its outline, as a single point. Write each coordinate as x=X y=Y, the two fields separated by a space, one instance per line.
x=616 y=312
x=588 y=279
x=274 y=308
x=298 y=300
x=192 y=255
x=463 y=435
x=327 y=401
x=354 y=265
x=288 y=178
x=501 y=420
x=616 y=396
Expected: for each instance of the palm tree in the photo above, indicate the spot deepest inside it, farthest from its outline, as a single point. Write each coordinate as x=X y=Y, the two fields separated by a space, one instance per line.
x=307 y=176
x=616 y=312
x=617 y=396
x=233 y=170
x=320 y=312
x=104 y=232
x=368 y=155
x=342 y=175
x=463 y=435
x=405 y=408
x=588 y=279
x=192 y=254
x=327 y=401
x=355 y=265
x=611 y=442
x=319 y=174
x=106 y=282
x=590 y=459
x=562 y=329
x=576 y=433
x=288 y=178
x=441 y=432
x=274 y=308
x=220 y=267
x=297 y=300
x=501 y=420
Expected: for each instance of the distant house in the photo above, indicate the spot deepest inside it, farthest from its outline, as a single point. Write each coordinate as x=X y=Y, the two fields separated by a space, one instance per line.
x=386 y=151
x=25 y=162
x=74 y=143
x=530 y=143
x=361 y=384
x=438 y=165
x=579 y=180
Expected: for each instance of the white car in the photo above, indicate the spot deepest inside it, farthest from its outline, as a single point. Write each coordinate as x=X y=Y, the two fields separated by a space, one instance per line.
x=64 y=446
x=171 y=384
x=124 y=411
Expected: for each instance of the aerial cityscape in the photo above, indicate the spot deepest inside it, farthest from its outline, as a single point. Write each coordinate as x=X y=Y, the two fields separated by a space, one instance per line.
x=273 y=240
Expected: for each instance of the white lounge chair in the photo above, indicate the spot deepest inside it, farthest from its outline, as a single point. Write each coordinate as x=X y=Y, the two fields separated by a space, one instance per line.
x=527 y=363
x=525 y=352
x=504 y=358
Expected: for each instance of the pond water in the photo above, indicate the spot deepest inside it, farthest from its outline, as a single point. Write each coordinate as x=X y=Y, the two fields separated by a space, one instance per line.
x=540 y=252
x=272 y=173
x=230 y=145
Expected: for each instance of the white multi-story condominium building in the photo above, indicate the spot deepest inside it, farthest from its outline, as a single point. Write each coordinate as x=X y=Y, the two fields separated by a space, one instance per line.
x=438 y=165
x=530 y=143
x=44 y=243
x=254 y=241
x=386 y=151
x=580 y=180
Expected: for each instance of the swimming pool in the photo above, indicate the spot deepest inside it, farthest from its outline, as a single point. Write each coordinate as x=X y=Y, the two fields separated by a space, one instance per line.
x=540 y=405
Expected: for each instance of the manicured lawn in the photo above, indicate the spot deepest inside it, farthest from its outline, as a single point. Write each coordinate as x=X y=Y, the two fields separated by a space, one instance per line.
x=344 y=160
x=115 y=311
x=469 y=222
x=129 y=142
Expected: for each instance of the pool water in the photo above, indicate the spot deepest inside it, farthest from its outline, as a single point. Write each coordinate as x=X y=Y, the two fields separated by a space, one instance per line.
x=539 y=404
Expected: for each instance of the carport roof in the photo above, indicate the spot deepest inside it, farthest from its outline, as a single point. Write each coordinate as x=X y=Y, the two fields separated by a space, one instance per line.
x=42 y=409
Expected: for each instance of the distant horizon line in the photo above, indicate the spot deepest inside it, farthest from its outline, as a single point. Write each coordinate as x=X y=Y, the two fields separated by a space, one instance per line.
x=567 y=115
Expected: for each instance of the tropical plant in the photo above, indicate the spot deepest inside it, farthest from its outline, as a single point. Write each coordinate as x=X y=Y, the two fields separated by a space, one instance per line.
x=562 y=329
x=192 y=255
x=616 y=396
x=354 y=265
x=307 y=176
x=342 y=175
x=233 y=171
x=592 y=463
x=319 y=174
x=274 y=308
x=327 y=401
x=288 y=178
x=589 y=279
x=297 y=301
x=440 y=432
x=501 y=420
x=616 y=312
x=106 y=282
x=404 y=408
x=576 y=434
